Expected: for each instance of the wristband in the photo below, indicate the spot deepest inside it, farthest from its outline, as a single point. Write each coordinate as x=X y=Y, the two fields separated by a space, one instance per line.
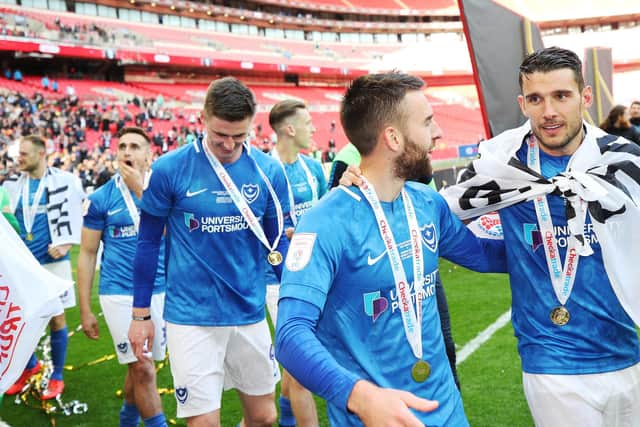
x=147 y=317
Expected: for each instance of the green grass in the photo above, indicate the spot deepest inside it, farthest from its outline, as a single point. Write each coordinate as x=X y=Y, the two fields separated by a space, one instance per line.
x=491 y=378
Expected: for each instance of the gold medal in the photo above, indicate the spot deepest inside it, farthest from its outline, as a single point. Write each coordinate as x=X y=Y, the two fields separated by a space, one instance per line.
x=420 y=371
x=29 y=236
x=274 y=258
x=560 y=316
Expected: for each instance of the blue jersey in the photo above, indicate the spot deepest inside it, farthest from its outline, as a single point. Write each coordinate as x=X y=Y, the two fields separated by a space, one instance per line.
x=600 y=336
x=302 y=191
x=108 y=213
x=345 y=271
x=39 y=245
x=215 y=264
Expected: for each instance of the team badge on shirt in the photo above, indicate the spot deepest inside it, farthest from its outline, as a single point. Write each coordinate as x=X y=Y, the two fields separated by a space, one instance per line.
x=300 y=250
x=122 y=347
x=182 y=394
x=250 y=192
x=430 y=237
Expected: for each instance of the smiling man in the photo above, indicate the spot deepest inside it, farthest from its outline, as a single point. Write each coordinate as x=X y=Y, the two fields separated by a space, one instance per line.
x=568 y=196
x=225 y=208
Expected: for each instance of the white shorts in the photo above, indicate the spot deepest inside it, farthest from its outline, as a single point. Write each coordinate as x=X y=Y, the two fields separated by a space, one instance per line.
x=610 y=399
x=62 y=269
x=117 y=314
x=273 y=294
x=205 y=360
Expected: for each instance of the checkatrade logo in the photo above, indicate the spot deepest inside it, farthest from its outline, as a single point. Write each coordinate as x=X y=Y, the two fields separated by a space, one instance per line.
x=190 y=221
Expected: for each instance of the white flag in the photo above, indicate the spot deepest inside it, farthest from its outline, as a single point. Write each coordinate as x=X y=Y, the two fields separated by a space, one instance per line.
x=29 y=297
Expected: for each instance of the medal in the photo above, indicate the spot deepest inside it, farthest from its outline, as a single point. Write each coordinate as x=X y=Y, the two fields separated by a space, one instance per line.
x=274 y=258
x=420 y=371
x=29 y=236
x=560 y=316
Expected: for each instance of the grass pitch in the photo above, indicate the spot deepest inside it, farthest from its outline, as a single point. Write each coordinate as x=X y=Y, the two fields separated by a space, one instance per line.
x=491 y=377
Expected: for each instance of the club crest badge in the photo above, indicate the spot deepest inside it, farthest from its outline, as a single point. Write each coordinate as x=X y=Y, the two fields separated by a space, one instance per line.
x=182 y=394
x=429 y=237
x=250 y=192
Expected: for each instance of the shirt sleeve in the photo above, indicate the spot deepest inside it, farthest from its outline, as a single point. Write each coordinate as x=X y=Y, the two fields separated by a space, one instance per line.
x=460 y=245
x=157 y=198
x=319 y=174
x=94 y=216
x=279 y=184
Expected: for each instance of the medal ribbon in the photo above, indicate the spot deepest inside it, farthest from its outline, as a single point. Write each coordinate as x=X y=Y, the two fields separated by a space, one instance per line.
x=562 y=277
x=310 y=180
x=29 y=211
x=411 y=316
x=128 y=200
x=241 y=204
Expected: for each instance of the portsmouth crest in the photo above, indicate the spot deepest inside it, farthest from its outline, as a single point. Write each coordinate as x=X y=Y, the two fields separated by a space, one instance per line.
x=429 y=237
x=182 y=394
x=250 y=192
x=122 y=347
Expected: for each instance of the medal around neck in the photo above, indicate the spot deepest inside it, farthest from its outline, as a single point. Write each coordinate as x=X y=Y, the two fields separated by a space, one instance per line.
x=420 y=371
x=560 y=316
x=274 y=258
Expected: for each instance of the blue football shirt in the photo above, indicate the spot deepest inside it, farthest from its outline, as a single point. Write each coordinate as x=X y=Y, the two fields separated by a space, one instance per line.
x=40 y=230
x=344 y=270
x=215 y=264
x=108 y=213
x=302 y=191
x=600 y=336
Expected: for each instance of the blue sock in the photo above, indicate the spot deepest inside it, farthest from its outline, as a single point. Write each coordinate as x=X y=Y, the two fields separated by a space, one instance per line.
x=286 y=414
x=157 y=420
x=32 y=362
x=129 y=415
x=59 y=341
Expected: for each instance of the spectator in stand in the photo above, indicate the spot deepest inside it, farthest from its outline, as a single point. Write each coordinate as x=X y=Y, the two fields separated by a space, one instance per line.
x=17 y=75
x=54 y=86
x=617 y=123
x=634 y=114
x=45 y=82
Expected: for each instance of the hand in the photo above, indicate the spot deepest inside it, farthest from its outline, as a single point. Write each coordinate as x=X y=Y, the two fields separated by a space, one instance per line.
x=385 y=407
x=141 y=337
x=352 y=176
x=289 y=232
x=58 y=252
x=90 y=325
x=132 y=177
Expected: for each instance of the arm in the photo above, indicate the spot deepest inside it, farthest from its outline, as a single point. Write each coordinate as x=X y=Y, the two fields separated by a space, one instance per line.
x=460 y=245
x=90 y=241
x=145 y=265
x=300 y=352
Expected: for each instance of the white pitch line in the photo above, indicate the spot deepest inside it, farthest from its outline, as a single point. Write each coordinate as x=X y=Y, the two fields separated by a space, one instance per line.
x=482 y=337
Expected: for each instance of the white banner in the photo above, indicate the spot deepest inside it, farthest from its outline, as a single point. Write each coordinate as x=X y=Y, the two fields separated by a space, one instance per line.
x=29 y=297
